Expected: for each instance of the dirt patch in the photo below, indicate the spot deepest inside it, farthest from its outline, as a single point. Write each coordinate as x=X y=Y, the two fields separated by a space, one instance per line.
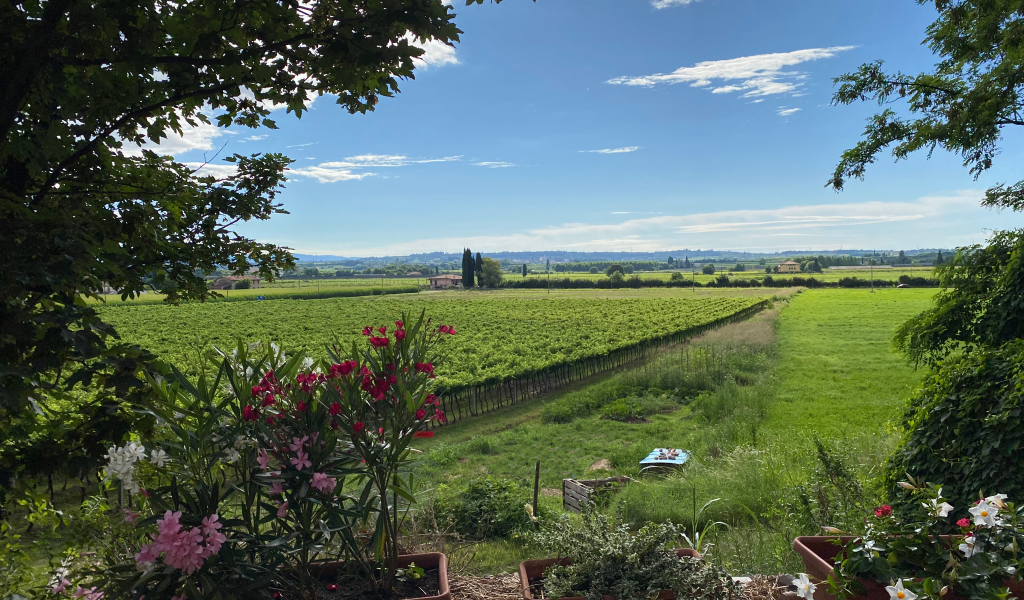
x=552 y=492
x=601 y=465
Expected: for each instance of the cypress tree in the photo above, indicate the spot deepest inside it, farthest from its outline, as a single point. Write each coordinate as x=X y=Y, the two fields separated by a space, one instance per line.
x=939 y=259
x=524 y=269
x=468 y=268
x=478 y=266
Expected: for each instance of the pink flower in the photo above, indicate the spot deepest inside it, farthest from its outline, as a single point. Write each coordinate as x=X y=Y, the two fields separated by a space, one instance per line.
x=181 y=597
x=324 y=483
x=883 y=511
x=963 y=523
x=210 y=524
x=263 y=460
x=276 y=489
x=282 y=511
x=130 y=515
x=301 y=461
x=60 y=587
x=439 y=414
x=90 y=594
x=298 y=444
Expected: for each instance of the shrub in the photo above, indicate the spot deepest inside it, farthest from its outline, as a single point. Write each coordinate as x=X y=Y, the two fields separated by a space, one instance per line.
x=708 y=269
x=616 y=268
x=623 y=409
x=484 y=508
x=244 y=284
x=609 y=559
x=965 y=427
x=629 y=269
x=593 y=270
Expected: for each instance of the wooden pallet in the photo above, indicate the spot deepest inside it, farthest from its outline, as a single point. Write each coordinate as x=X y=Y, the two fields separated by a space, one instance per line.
x=576 y=493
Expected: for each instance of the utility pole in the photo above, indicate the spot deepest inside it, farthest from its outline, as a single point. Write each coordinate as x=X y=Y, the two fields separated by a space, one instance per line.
x=872 y=271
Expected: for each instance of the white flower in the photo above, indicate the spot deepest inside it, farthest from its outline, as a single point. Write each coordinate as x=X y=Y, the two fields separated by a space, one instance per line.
x=997 y=500
x=240 y=443
x=804 y=587
x=898 y=592
x=984 y=514
x=232 y=455
x=157 y=456
x=936 y=509
x=970 y=547
x=1011 y=570
x=135 y=451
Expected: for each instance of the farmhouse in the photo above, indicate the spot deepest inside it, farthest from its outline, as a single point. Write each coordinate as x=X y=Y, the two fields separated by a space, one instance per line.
x=227 y=283
x=789 y=267
x=443 y=282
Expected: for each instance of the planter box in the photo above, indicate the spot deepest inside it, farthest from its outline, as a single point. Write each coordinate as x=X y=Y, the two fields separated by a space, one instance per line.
x=819 y=552
x=534 y=569
x=576 y=493
x=429 y=560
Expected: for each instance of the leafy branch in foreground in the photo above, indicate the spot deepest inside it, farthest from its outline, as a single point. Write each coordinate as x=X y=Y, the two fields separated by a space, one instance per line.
x=962 y=106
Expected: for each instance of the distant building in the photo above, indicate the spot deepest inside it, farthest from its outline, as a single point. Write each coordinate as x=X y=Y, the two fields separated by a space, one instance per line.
x=227 y=283
x=789 y=267
x=446 y=281
x=414 y=274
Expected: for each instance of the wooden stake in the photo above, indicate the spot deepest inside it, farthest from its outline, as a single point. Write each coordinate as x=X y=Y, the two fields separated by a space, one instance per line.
x=536 y=487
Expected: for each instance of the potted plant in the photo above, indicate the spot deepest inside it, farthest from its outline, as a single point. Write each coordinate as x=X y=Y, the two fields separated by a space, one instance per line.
x=927 y=549
x=596 y=559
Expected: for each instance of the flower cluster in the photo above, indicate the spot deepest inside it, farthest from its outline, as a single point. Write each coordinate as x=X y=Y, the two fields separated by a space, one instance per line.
x=80 y=592
x=917 y=551
x=121 y=463
x=184 y=549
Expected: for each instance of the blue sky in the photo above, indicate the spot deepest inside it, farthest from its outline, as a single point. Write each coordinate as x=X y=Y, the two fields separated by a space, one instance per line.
x=618 y=125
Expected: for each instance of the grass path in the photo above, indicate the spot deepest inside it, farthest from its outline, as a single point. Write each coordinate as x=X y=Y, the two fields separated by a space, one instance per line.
x=836 y=377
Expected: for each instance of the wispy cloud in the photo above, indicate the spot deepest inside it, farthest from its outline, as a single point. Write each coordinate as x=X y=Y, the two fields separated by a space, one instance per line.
x=302 y=145
x=922 y=222
x=785 y=112
x=351 y=168
x=220 y=171
x=615 y=150
x=659 y=4
x=760 y=75
x=200 y=137
x=255 y=138
x=494 y=164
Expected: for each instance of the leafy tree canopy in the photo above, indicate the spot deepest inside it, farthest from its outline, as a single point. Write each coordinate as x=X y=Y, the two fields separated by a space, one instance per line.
x=962 y=106
x=85 y=82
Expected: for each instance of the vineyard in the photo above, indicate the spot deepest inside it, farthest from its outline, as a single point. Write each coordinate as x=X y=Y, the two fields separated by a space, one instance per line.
x=507 y=346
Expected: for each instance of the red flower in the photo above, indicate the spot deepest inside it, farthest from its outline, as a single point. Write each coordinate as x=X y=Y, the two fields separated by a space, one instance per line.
x=343 y=369
x=334 y=409
x=382 y=330
x=334 y=425
x=380 y=431
x=399 y=324
x=431 y=399
x=144 y=492
x=420 y=414
x=400 y=335
x=358 y=427
x=443 y=329
x=270 y=420
x=257 y=390
x=250 y=414
x=332 y=587
x=367 y=330
x=427 y=368
x=439 y=415
x=301 y=406
x=379 y=342
x=883 y=511
x=964 y=523
x=269 y=400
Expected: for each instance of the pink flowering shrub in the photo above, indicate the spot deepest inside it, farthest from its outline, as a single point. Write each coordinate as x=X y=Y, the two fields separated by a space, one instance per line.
x=181 y=548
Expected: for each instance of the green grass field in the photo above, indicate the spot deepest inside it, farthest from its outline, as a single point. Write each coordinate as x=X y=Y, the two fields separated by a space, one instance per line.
x=819 y=367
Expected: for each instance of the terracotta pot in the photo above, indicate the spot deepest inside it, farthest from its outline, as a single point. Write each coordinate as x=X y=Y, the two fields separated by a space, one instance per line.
x=534 y=569
x=429 y=560
x=819 y=552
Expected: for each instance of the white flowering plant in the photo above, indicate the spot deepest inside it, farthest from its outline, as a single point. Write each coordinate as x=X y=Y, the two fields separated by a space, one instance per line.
x=931 y=549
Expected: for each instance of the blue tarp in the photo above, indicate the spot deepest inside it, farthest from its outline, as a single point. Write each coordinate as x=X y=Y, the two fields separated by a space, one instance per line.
x=666 y=456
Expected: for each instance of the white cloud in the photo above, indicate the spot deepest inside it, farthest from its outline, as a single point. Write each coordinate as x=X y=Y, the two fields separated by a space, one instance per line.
x=785 y=112
x=348 y=169
x=494 y=165
x=435 y=52
x=951 y=219
x=760 y=75
x=220 y=171
x=659 y=4
x=615 y=150
x=255 y=138
x=303 y=145
x=200 y=137
x=325 y=173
